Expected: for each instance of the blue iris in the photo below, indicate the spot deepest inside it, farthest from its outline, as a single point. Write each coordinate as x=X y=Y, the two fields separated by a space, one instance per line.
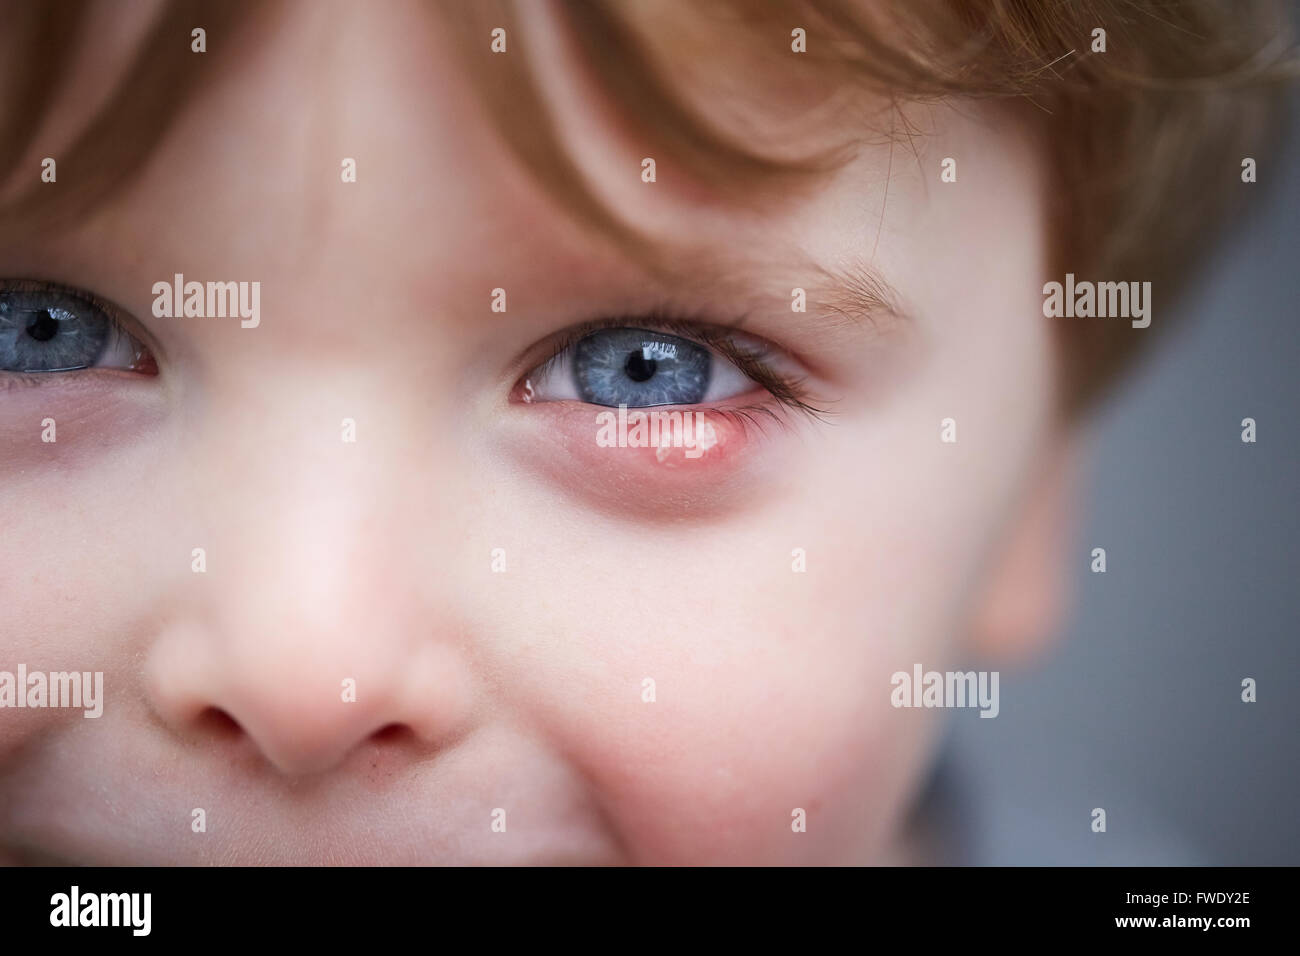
x=50 y=332
x=637 y=367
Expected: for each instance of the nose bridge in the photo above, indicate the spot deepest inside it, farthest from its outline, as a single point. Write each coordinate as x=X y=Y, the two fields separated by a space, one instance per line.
x=314 y=529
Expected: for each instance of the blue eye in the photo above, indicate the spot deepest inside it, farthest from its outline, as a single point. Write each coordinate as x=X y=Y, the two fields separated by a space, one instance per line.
x=634 y=367
x=55 y=330
x=638 y=368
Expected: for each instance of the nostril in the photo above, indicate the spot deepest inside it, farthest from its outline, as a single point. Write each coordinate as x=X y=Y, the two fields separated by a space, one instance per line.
x=392 y=733
x=216 y=722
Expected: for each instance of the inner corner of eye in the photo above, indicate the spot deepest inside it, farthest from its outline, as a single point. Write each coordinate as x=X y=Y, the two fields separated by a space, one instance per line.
x=531 y=387
x=143 y=362
x=125 y=351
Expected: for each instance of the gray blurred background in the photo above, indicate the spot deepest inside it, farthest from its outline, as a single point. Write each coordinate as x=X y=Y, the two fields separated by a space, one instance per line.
x=1138 y=710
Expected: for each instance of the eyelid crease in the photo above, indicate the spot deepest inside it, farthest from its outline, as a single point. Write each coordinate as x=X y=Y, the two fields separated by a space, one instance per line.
x=846 y=299
x=850 y=289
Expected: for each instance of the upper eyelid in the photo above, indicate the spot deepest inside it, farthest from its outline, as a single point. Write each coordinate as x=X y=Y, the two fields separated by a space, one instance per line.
x=25 y=284
x=708 y=333
x=845 y=301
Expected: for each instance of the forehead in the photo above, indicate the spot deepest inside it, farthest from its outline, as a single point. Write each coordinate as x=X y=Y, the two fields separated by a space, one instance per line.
x=407 y=61
x=247 y=177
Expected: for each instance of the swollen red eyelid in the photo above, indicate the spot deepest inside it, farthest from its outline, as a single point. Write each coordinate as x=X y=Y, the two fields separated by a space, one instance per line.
x=652 y=438
x=593 y=452
x=659 y=438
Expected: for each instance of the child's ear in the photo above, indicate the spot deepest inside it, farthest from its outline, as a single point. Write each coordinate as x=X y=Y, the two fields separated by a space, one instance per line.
x=1025 y=597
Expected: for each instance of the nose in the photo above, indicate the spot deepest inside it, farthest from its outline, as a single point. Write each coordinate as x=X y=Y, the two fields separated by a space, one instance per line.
x=305 y=707
x=311 y=634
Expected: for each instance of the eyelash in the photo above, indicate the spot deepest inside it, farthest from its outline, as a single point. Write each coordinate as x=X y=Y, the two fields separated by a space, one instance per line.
x=41 y=285
x=791 y=393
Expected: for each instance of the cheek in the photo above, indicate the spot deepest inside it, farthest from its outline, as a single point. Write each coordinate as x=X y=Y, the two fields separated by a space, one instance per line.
x=51 y=608
x=740 y=745
x=76 y=555
x=772 y=687
x=708 y=691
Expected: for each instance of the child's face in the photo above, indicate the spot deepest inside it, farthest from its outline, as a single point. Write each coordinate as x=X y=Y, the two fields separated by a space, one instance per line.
x=524 y=687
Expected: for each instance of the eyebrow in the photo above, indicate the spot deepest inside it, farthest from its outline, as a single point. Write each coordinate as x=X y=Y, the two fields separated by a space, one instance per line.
x=852 y=293
x=844 y=294
x=858 y=291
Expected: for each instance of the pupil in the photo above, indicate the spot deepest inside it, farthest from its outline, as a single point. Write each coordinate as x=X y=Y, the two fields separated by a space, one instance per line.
x=638 y=367
x=42 y=326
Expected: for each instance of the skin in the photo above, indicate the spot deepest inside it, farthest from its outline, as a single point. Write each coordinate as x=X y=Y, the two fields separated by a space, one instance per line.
x=372 y=561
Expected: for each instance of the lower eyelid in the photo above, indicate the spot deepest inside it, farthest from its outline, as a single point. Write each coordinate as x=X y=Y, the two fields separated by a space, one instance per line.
x=690 y=437
x=96 y=411
x=125 y=351
x=558 y=442
x=72 y=381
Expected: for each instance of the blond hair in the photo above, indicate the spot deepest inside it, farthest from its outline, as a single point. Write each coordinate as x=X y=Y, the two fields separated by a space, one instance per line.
x=1143 y=143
